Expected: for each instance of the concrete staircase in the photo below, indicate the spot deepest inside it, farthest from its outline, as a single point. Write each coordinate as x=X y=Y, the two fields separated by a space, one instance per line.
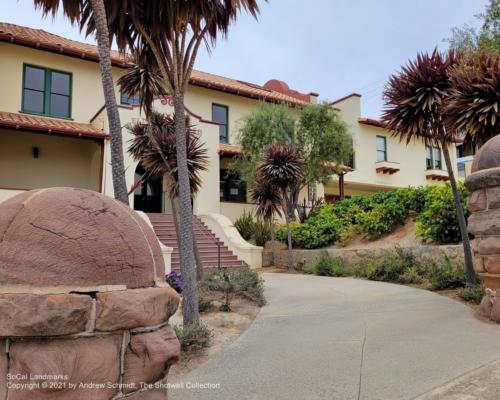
x=164 y=228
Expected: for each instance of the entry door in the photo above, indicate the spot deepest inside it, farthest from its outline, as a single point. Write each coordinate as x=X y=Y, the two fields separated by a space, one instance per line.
x=148 y=197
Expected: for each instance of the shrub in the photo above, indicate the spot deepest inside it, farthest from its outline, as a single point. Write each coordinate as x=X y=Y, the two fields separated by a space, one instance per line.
x=205 y=303
x=194 y=337
x=175 y=281
x=438 y=220
x=262 y=233
x=449 y=275
x=242 y=282
x=328 y=266
x=472 y=295
x=245 y=225
x=400 y=267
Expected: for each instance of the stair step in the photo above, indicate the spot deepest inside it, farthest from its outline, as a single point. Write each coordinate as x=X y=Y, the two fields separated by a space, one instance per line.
x=208 y=243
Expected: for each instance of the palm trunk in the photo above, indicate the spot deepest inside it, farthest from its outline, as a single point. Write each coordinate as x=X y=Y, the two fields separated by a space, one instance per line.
x=286 y=210
x=273 y=245
x=115 y=127
x=185 y=240
x=469 y=268
x=197 y=257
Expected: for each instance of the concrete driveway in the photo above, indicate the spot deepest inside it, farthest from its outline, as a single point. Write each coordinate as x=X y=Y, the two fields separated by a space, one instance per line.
x=341 y=338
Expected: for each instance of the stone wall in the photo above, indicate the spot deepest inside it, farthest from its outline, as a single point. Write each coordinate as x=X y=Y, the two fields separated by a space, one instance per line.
x=353 y=257
x=84 y=306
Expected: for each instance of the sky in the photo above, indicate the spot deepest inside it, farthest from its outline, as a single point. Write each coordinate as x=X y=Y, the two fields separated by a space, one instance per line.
x=332 y=47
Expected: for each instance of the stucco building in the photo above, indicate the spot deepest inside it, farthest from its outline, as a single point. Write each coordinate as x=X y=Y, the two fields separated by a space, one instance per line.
x=53 y=129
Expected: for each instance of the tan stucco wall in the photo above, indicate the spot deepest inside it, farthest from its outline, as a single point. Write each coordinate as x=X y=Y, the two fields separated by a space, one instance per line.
x=62 y=161
x=87 y=94
x=410 y=158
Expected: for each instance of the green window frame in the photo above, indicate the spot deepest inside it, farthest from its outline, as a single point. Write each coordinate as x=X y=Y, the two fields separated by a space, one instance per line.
x=433 y=158
x=128 y=100
x=46 y=92
x=381 y=148
x=220 y=114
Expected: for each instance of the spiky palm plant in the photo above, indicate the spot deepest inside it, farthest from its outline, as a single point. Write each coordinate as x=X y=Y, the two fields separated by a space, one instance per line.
x=473 y=103
x=268 y=200
x=282 y=169
x=415 y=110
x=153 y=158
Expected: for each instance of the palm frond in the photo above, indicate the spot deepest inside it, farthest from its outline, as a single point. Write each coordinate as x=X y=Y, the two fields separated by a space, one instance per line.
x=281 y=167
x=473 y=106
x=414 y=98
x=162 y=128
x=268 y=199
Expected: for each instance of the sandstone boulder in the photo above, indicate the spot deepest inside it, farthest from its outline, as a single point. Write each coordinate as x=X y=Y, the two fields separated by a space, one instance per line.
x=43 y=315
x=68 y=236
x=87 y=362
x=133 y=308
x=149 y=355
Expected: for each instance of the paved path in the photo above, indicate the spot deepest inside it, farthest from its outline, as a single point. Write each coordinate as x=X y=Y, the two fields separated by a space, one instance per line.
x=342 y=338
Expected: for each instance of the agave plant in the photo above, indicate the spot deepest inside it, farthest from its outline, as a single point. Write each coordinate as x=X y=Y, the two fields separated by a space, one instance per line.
x=282 y=169
x=473 y=104
x=268 y=199
x=415 y=110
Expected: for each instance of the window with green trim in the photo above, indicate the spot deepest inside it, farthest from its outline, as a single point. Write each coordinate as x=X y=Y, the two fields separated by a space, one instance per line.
x=381 y=148
x=130 y=100
x=433 y=158
x=46 y=92
x=220 y=115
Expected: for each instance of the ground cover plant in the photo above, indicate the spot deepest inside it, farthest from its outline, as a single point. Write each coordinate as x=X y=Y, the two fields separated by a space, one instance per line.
x=326 y=265
x=375 y=215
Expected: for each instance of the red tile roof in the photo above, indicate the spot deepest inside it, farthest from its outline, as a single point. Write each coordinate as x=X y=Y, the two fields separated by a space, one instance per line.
x=43 y=40
x=345 y=98
x=229 y=149
x=372 y=122
x=49 y=125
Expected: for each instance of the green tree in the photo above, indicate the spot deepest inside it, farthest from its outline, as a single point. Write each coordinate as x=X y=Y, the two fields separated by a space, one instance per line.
x=486 y=37
x=75 y=10
x=414 y=109
x=317 y=133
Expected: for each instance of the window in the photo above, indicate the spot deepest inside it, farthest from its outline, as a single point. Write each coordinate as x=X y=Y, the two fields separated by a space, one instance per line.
x=127 y=100
x=381 y=148
x=433 y=157
x=46 y=92
x=220 y=115
x=351 y=161
x=232 y=188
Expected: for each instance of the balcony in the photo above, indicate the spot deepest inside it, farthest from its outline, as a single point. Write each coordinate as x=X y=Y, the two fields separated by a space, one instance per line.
x=386 y=167
x=436 y=175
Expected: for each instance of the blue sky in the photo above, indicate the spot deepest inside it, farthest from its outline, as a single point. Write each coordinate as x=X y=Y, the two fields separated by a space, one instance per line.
x=333 y=47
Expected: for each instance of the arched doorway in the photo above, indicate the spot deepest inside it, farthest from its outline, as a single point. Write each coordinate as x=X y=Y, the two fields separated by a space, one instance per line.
x=148 y=196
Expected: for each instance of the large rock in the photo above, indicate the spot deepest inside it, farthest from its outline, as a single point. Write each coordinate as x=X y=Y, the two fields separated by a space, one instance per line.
x=485 y=223
x=133 y=308
x=43 y=315
x=149 y=355
x=89 y=363
x=67 y=236
x=477 y=201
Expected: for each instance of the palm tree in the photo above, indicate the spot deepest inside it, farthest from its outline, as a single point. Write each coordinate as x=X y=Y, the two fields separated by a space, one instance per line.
x=282 y=169
x=74 y=10
x=473 y=104
x=414 y=109
x=268 y=199
x=153 y=145
x=171 y=32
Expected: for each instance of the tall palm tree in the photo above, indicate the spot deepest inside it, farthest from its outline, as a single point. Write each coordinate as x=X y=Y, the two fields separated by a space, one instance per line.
x=74 y=10
x=473 y=104
x=268 y=199
x=172 y=31
x=414 y=109
x=282 y=169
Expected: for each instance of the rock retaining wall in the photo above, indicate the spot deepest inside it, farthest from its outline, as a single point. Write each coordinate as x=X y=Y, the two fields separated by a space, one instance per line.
x=84 y=306
x=353 y=257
